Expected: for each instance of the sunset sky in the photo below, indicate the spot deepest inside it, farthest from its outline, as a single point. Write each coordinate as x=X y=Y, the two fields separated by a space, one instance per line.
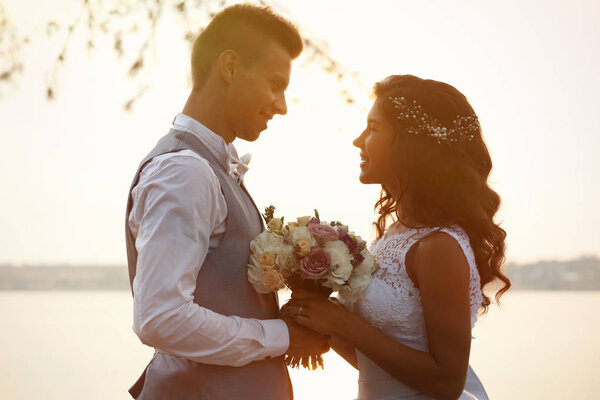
x=530 y=70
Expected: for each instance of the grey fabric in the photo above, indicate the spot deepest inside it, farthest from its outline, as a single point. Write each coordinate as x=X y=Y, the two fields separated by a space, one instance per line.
x=221 y=286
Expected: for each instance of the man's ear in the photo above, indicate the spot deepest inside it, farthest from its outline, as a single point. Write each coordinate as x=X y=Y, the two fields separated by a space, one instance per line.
x=228 y=64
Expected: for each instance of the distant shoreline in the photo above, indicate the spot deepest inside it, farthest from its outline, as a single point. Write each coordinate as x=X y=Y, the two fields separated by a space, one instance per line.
x=578 y=274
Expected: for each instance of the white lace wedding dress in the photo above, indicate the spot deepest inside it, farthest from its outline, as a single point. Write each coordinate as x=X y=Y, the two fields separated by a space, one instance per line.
x=393 y=304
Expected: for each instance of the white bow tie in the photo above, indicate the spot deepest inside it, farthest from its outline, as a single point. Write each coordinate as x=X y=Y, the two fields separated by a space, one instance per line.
x=239 y=167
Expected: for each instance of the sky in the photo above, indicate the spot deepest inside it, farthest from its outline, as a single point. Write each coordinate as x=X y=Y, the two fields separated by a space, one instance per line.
x=528 y=68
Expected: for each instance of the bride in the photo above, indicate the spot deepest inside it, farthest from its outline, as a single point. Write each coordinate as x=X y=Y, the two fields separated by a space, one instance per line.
x=410 y=334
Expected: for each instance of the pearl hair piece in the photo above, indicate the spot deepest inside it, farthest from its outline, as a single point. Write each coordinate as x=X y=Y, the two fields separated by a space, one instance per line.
x=464 y=128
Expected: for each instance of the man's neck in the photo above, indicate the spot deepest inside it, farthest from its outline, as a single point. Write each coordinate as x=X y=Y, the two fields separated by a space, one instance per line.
x=205 y=107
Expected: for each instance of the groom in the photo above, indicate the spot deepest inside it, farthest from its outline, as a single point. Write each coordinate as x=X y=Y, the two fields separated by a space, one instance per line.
x=190 y=221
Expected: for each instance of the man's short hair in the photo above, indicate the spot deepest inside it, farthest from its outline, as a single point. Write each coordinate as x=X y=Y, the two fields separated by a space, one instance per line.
x=243 y=28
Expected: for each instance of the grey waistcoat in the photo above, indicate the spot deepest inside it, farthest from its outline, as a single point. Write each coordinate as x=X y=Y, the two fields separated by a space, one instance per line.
x=222 y=286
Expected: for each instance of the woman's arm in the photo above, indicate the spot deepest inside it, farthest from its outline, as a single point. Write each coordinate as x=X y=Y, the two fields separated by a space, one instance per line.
x=442 y=272
x=344 y=349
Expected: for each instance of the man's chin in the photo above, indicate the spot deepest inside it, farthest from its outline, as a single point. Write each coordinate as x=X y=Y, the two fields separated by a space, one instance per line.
x=253 y=137
x=249 y=136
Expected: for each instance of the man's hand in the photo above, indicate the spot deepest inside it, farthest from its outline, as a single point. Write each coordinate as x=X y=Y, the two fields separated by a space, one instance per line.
x=304 y=342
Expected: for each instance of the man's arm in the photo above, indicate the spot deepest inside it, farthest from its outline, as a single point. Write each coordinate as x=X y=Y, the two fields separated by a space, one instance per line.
x=176 y=207
x=303 y=341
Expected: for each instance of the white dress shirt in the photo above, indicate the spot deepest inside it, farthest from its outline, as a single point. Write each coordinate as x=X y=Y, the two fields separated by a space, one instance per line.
x=178 y=216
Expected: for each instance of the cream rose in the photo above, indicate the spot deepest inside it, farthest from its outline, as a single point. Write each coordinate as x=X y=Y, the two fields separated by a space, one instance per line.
x=303 y=221
x=275 y=224
x=272 y=280
x=268 y=259
x=302 y=248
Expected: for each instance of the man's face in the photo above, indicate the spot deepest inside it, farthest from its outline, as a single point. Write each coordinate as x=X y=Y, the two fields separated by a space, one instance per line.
x=257 y=92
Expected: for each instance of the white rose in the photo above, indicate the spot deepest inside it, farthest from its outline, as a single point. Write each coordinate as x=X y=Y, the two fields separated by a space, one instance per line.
x=255 y=277
x=285 y=259
x=368 y=263
x=350 y=294
x=266 y=242
x=332 y=284
x=360 y=279
x=355 y=288
x=302 y=233
x=341 y=267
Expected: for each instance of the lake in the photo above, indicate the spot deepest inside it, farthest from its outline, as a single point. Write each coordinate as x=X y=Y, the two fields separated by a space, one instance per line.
x=73 y=345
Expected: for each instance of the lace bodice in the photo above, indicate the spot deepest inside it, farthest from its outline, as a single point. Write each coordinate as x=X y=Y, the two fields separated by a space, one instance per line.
x=392 y=303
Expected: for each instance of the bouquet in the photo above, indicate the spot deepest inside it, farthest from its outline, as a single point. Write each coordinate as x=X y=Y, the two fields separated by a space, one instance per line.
x=310 y=254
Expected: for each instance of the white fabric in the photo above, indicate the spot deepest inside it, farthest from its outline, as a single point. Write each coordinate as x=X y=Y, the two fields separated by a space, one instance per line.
x=178 y=216
x=392 y=303
x=226 y=153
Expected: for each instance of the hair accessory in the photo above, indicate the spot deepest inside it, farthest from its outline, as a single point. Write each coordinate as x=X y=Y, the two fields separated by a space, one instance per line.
x=464 y=128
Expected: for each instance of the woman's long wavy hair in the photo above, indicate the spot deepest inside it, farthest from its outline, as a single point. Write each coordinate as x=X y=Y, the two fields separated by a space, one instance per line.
x=442 y=184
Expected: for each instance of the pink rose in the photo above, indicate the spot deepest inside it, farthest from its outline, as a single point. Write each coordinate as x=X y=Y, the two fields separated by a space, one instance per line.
x=323 y=232
x=316 y=263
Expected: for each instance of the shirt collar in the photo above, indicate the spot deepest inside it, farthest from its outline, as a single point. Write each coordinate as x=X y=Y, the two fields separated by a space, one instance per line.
x=226 y=153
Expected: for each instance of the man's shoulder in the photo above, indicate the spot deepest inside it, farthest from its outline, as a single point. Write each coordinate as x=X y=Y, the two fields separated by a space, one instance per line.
x=186 y=161
x=180 y=168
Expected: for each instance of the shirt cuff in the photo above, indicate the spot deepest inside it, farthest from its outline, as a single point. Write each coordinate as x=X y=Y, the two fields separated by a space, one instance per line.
x=277 y=337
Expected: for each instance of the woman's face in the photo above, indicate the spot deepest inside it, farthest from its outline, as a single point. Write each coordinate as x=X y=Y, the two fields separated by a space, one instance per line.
x=375 y=144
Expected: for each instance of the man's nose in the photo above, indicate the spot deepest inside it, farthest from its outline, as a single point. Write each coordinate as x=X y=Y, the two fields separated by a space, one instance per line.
x=280 y=104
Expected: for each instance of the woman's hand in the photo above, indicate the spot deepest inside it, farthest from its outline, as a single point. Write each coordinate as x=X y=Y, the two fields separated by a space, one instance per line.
x=324 y=315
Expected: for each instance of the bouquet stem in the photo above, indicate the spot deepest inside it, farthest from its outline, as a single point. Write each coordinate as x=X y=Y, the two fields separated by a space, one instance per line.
x=310 y=362
x=314 y=361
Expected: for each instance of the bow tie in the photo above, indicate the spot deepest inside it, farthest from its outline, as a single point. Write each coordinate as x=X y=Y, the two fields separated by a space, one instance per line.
x=239 y=167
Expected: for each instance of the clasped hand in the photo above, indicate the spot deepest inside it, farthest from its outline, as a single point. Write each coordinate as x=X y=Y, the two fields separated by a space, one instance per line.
x=324 y=315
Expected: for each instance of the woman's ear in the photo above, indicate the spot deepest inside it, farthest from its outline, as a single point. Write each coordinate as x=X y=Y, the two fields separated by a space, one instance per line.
x=228 y=63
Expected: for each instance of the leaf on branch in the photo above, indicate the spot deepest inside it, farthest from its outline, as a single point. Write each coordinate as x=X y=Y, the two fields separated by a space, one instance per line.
x=51 y=28
x=119 y=44
x=139 y=20
x=189 y=36
x=136 y=66
x=128 y=106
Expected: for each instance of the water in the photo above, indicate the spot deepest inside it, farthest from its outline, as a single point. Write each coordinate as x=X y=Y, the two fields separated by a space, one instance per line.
x=72 y=345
